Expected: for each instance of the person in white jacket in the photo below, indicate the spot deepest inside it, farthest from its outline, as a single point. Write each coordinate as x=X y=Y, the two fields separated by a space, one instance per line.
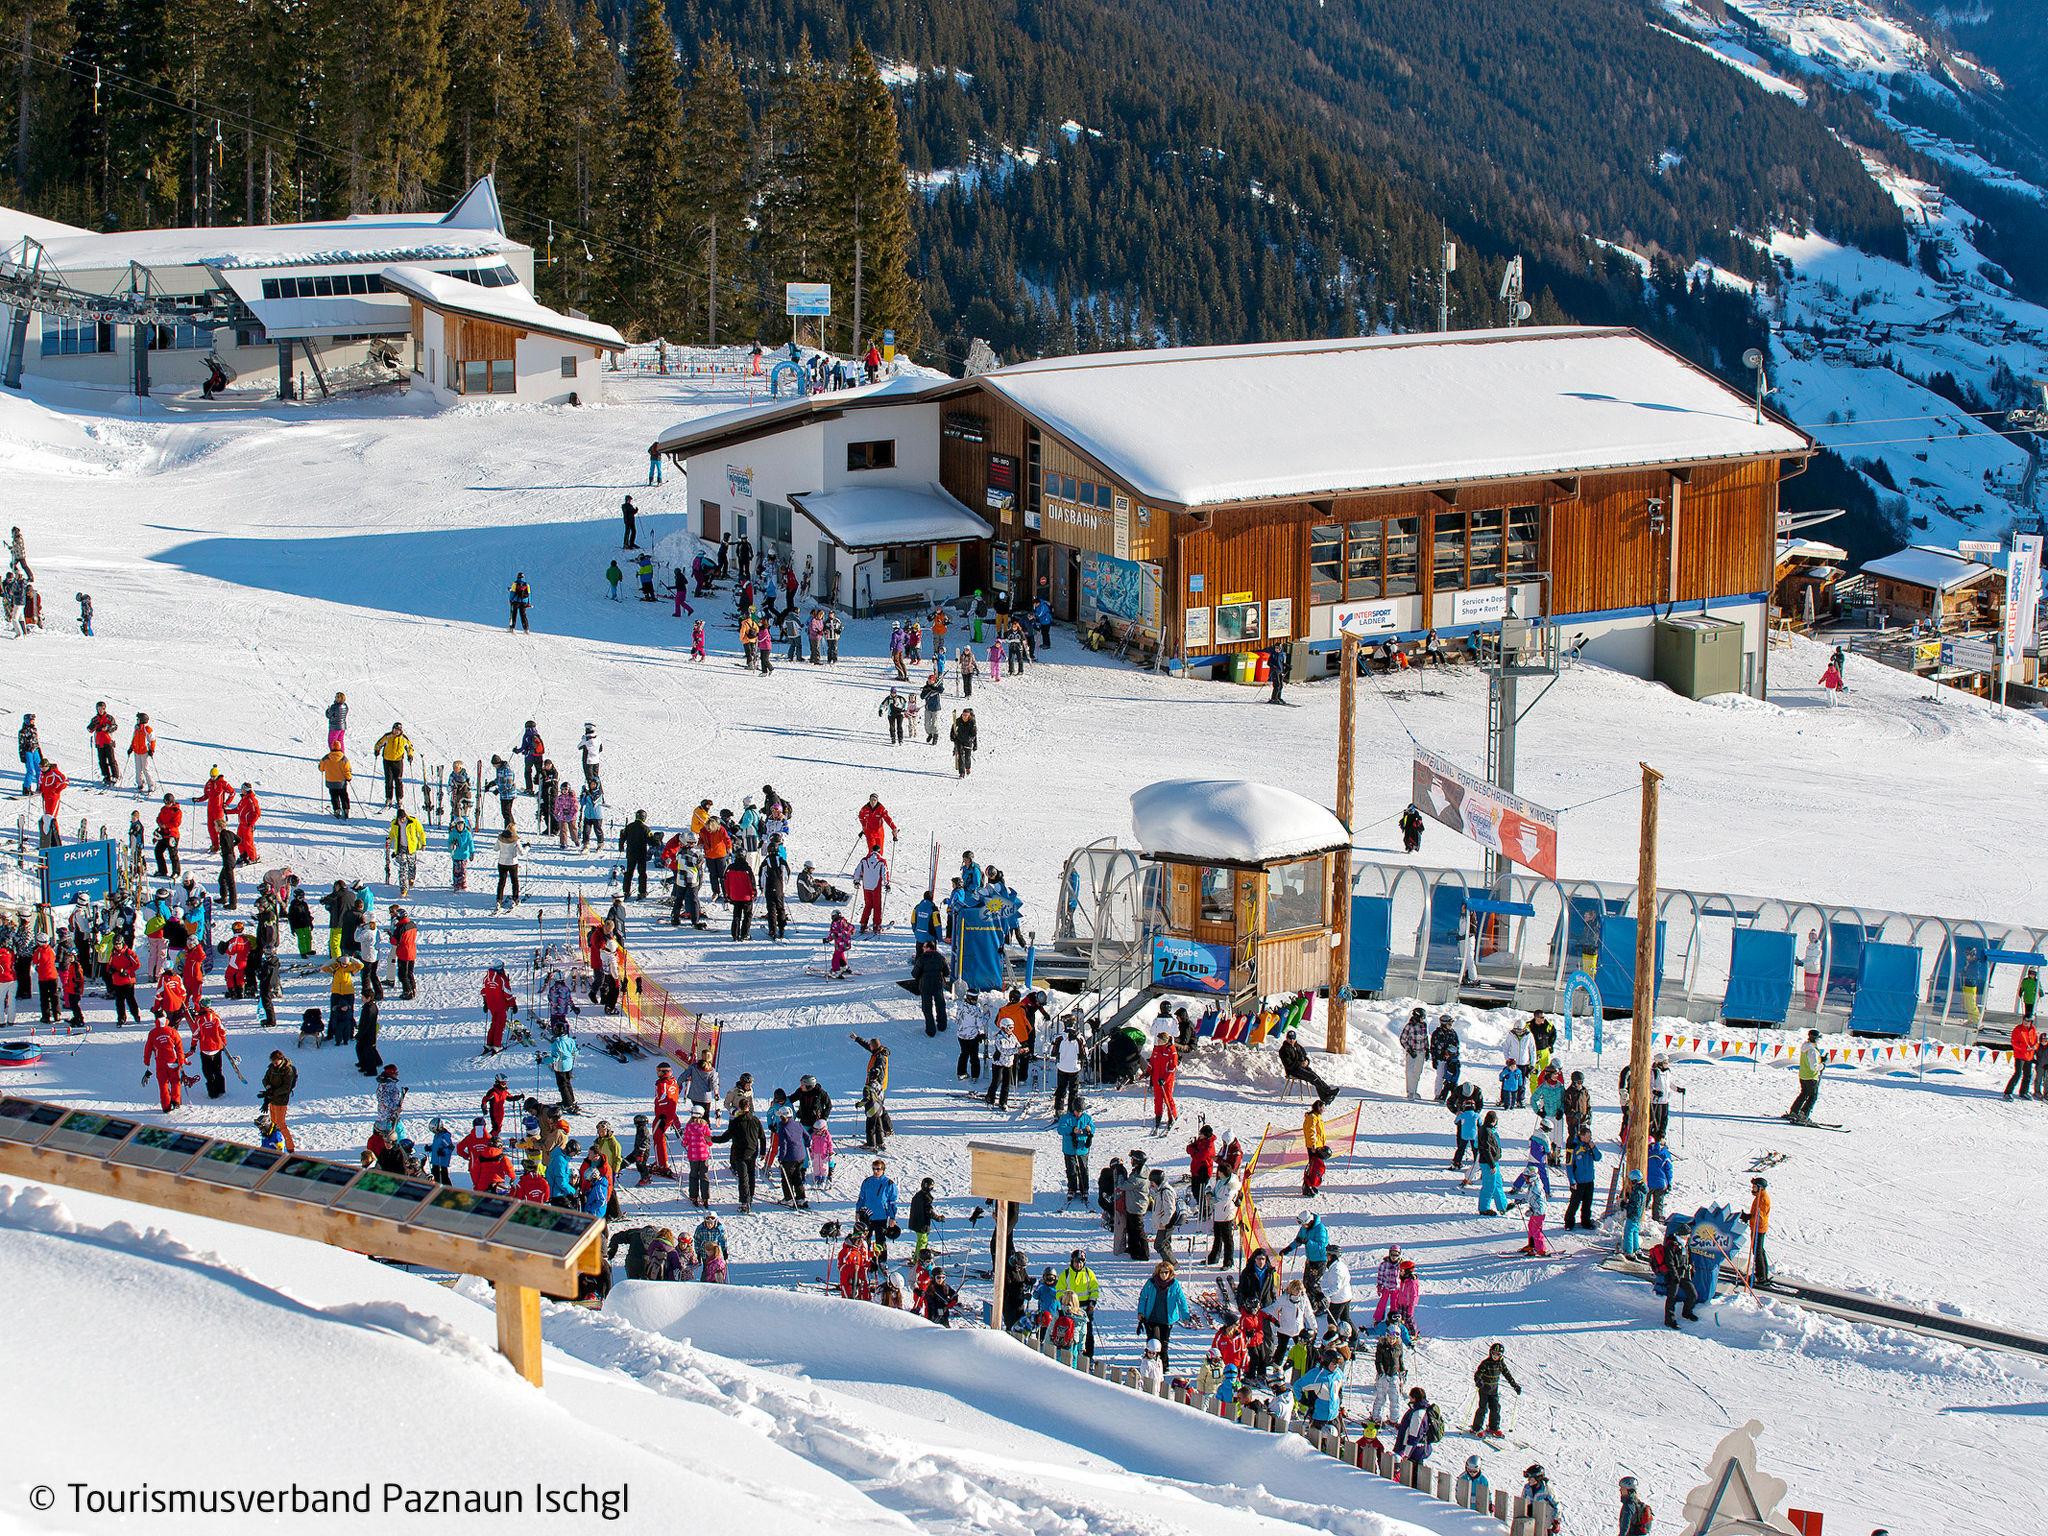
x=1289 y=1317
x=591 y=749
x=970 y=1028
x=1337 y=1286
x=1519 y=1047
x=1222 y=1197
x=508 y=850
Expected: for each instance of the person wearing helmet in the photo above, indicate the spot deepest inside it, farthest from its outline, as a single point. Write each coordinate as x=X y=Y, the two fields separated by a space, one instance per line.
x=1635 y=1514
x=1546 y=1515
x=1759 y=1225
x=1472 y=1490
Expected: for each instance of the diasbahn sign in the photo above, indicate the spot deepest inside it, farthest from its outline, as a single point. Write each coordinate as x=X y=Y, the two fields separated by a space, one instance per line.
x=1519 y=830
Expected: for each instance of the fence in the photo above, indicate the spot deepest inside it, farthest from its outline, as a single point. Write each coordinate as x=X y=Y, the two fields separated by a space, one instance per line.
x=655 y=1016
x=1363 y=1452
x=1436 y=934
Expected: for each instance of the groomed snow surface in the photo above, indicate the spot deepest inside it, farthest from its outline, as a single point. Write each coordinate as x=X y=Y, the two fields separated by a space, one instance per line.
x=246 y=567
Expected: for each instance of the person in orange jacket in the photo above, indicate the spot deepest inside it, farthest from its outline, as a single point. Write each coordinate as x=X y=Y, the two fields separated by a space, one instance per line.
x=194 y=970
x=667 y=1097
x=209 y=1044
x=499 y=1003
x=142 y=754
x=1162 y=1068
x=170 y=821
x=248 y=810
x=874 y=816
x=164 y=1055
x=217 y=796
x=2026 y=1047
x=1759 y=1227
x=493 y=1104
x=405 y=950
x=235 y=975
x=71 y=984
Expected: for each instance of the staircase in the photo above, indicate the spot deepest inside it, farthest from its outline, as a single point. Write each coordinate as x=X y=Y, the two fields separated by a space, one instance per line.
x=1118 y=983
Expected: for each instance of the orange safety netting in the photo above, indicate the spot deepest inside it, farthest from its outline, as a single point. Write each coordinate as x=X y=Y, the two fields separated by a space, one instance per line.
x=653 y=1015
x=1289 y=1149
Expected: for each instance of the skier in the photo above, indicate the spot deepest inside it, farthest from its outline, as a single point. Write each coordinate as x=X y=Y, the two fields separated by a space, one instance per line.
x=871 y=874
x=1162 y=1067
x=1411 y=828
x=1759 y=1228
x=520 y=596
x=1491 y=1372
x=1636 y=1516
x=100 y=728
x=1678 y=1282
x=1546 y=1515
x=630 y=516
x=394 y=750
x=966 y=738
x=1811 y=1062
x=164 y=1056
x=874 y=816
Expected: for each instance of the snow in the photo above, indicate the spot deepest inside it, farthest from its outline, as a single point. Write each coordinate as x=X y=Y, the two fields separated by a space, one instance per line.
x=872 y=516
x=1196 y=426
x=685 y=436
x=1230 y=821
x=245 y=565
x=354 y=241
x=1925 y=565
x=1743 y=62
x=510 y=305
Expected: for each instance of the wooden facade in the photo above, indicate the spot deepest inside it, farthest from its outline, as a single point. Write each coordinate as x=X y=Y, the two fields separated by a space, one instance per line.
x=1227 y=906
x=1609 y=544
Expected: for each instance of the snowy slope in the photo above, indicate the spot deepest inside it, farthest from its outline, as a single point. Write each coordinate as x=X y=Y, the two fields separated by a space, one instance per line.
x=246 y=567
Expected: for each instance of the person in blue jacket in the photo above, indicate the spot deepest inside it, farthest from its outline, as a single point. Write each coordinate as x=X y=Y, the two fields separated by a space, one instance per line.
x=562 y=1060
x=926 y=926
x=1582 y=1162
x=970 y=873
x=461 y=849
x=1632 y=1204
x=1041 y=615
x=876 y=1205
x=595 y=1186
x=561 y=1177
x=440 y=1152
x=1313 y=1239
x=1320 y=1391
x=1660 y=1178
x=1077 y=1135
x=1162 y=1304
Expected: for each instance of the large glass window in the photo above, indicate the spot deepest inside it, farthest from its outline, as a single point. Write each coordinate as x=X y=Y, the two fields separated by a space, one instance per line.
x=1216 y=898
x=1404 y=550
x=880 y=454
x=907 y=562
x=69 y=338
x=1363 y=558
x=1447 y=556
x=1487 y=525
x=1294 y=896
x=476 y=377
x=503 y=380
x=1326 y=564
x=1525 y=542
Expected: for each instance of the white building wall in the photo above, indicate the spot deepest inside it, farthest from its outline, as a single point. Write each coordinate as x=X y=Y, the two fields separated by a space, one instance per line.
x=538 y=362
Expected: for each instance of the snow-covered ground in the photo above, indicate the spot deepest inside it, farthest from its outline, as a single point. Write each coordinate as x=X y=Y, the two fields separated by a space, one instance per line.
x=246 y=567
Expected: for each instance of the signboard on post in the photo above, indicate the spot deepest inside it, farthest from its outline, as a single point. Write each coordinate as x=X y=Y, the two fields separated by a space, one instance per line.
x=2022 y=602
x=1003 y=1175
x=80 y=869
x=1501 y=822
x=807 y=298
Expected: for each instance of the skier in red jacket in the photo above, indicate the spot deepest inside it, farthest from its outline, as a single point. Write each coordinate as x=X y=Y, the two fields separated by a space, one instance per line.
x=498 y=1004
x=667 y=1094
x=217 y=795
x=874 y=816
x=1164 y=1065
x=163 y=1054
x=51 y=786
x=248 y=811
x=209 y=1044
x=494 y=1103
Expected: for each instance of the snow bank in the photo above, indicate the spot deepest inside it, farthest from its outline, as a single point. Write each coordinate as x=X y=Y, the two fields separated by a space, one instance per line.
x=1230 y=821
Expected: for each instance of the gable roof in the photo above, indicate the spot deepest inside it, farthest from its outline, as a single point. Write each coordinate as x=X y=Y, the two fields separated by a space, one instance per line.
x=724 y=429
x=1930 y=566
x=876 y=516
x=512 y=306
x=1196 y=426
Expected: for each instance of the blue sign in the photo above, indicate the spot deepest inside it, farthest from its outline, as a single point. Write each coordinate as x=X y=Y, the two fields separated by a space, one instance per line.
x=807 y=298
x=1188 y=965
x=71 y=870
x=1716 y=1232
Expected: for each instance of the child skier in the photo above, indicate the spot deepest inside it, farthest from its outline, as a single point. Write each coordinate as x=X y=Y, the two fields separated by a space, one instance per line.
x=841 y=935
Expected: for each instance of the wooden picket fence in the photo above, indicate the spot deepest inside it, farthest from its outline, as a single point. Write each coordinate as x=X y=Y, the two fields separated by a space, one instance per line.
x=1512 y=1511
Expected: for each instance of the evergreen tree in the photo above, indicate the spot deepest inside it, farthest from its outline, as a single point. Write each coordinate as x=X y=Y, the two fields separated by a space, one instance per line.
x=382 y=68
x=32 y=108
x=717 y=129
x=866 y=209
x=790 y=244
x=653 y=215
x=490 y=85
x=539 y=165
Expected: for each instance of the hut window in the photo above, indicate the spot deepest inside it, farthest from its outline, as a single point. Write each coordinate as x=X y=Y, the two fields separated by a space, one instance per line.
x=1447 y=558
x=1487 y=566
x=1326 y=564
x=1404 y=545
x=1525 y=542
x=1294 y=896
x=1215 y=902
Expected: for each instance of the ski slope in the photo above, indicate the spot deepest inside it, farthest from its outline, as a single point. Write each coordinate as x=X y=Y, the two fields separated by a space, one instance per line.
x=246 y=567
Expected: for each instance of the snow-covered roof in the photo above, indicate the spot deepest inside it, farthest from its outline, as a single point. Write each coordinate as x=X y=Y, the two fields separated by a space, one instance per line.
x=1231 y=821
x=873 y=516
x=1202 y=425
x=1809 y=549
x=14 y=224
x=1937 y=569
x=473 y=227
x=718 y=427
x=511 y=305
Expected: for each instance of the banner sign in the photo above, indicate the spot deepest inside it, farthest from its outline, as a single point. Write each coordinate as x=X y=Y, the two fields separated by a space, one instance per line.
x=2022 y=598
x=807 y=298
x=1519 y=830
x=71 y=870
x=1380 y=618
x=1482 y=605
x=1188 y=965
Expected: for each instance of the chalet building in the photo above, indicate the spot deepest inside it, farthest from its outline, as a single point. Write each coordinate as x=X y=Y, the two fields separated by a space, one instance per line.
x=1948 y=590
x=1221 y=499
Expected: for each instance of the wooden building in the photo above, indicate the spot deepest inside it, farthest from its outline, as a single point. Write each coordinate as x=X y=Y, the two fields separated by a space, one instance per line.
x=1223 y=499
x=500 y=342
x=1944 y=590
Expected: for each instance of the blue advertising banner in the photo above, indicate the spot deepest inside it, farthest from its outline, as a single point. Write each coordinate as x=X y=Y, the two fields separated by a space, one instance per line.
x=1188 y=965
x=71 y=870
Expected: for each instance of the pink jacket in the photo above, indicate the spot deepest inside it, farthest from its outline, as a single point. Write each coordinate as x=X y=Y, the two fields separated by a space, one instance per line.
x=697 y=1140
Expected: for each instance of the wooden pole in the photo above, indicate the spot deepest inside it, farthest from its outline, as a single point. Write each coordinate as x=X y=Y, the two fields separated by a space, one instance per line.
x=519 y=1328
x=1336 y=1039
x=1638 y=1152
x=1001 y=1266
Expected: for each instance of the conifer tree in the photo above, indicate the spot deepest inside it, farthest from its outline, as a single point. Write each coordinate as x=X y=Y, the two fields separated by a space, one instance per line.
x=652 y=216
x=540 y=164
x=867 y=210
x=717 y=130
x=790 y=243
x=490 y=85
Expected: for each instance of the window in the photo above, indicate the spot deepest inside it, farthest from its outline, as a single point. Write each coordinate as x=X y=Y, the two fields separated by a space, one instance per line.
x=775 y=522
x=568 y=367
x=270 y=287
x=250 y=336
x=503 y=380
x=880 y=454
x=1294 y=896
x=1363 y=558
x=907 y=562
x=1215 y=899
x=1487 y=525
x=476 y=377
x=71 y=338
x=1403 y=551
x=1525 y=542
x=1032 y=504
x=1326 y=564
x=1447 y=554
